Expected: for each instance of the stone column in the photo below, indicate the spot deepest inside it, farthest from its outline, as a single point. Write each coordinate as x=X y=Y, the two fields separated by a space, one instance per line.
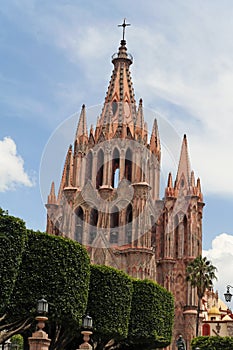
x=86 y=338
x=39 y=339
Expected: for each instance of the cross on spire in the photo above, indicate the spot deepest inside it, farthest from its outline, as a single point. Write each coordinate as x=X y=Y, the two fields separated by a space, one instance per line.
x=124 y=24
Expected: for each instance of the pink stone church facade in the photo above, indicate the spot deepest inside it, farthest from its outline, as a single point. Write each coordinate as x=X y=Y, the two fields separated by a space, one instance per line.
x=109 y=198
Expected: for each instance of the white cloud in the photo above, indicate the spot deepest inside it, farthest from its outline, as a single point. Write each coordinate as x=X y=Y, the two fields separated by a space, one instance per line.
x=12 y=171
x=221 y=256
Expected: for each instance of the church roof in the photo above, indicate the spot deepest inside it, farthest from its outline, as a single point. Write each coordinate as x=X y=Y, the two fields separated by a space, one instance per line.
x=214 y=311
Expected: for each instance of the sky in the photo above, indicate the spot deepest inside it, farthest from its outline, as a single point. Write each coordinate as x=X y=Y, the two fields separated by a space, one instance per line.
x=56 y=55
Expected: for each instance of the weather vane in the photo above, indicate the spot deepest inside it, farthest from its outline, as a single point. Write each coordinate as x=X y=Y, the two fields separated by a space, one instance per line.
x=124 y=25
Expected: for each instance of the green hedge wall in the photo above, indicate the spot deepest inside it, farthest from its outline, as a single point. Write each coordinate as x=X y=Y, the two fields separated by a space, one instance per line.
x=109 y=302
x=59 y=270
x=212 y=343
x=152 y=314
x=12 y=239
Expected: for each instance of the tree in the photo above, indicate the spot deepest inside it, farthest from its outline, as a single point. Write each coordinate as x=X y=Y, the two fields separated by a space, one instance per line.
x=212 y=343
x=200 y=274
x=58 y=269
x=151 y=318
x=109 y=303
x=12 y=241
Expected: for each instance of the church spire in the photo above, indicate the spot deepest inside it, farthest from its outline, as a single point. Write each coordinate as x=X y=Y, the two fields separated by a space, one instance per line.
x=183 y=176
x=82 y=124
x=52 y=196
x=120 y=94
x=155 y=140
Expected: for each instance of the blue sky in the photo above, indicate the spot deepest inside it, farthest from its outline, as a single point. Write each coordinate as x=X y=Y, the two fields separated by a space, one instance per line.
x=56 y=55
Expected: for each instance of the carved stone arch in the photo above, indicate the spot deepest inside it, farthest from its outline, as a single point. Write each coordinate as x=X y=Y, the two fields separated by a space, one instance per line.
x=114 y=225
x=179 y=279
x=128 y=164
x=176 y=236
x=100 y=168
x=89 y=165
x=134 y=271
x=129 y=133
x=128 y=223
x=93 y=223
x=57 y=226
x=186 y=236
x=79 y=224
x=153 y=230
x=115 y=167
x=114 y=107
x=140 y=272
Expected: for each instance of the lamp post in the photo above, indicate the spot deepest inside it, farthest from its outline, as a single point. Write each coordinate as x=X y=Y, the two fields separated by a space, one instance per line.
x=39 y=339
x=87 y=331
x=228 y=295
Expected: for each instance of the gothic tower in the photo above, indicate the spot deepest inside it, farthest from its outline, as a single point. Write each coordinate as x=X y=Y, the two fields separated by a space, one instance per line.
x=109 y=197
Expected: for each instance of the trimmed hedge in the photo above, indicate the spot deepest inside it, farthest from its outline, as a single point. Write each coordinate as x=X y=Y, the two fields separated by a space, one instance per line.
x=152 y=314
x=57 y=269
x=212 y=343
x=12 y=240
x=109 y=302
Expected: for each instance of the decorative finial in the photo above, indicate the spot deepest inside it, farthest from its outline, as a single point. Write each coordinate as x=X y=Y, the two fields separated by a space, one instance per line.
x=123 y=25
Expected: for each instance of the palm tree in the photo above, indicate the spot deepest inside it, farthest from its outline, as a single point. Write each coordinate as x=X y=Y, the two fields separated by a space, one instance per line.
x=200 y=274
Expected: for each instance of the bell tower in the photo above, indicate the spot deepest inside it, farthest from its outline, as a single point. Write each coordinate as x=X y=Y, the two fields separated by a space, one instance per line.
x=109 y=197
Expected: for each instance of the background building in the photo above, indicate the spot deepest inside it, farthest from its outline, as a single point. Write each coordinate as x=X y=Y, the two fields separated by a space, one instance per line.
x=217 y=318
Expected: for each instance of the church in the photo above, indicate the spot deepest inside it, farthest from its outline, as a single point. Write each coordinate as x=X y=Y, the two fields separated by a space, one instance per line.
x=109 y=197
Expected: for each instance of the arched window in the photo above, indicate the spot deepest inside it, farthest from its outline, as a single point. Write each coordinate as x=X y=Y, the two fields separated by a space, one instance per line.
x=93 y=224
x=56 y=229
x=128 y=165
x=100 y=168
x=185 y=223
x=176 y=224
x=114 y=223
x=129 y=218
x=153 y=231
x=114 y=107
x=89 y=167
x=115 y=168
x=78 y=232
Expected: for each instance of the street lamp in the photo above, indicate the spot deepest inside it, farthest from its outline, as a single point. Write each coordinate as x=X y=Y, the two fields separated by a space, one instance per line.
x=87 y=322
x=87 y=327
x=42 y=306
x=42 y=309
x=39 y=339
x=228 y=295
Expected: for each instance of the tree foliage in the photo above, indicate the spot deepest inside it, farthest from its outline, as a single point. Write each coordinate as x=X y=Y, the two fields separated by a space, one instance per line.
x=12 y=242
x=12 y=239
x=200 y=274
x=35 y=265
x=212 y=343
x=151 y=318
x=109 y=303
x=58 y=269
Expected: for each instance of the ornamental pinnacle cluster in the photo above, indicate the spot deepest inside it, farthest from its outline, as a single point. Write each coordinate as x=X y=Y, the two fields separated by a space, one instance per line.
x=109 y=197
